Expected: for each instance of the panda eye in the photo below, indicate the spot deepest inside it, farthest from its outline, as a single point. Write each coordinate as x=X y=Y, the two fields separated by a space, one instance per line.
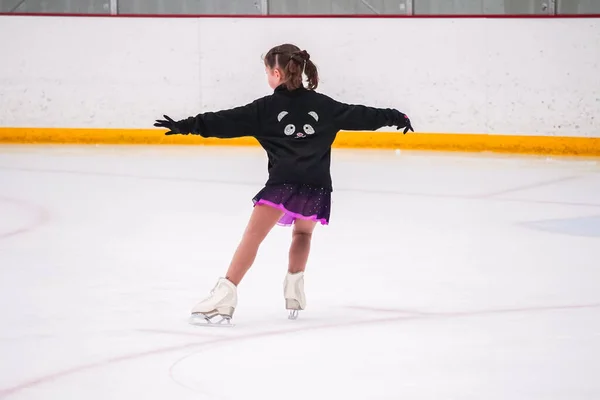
x=309 y=129
x=289 y=129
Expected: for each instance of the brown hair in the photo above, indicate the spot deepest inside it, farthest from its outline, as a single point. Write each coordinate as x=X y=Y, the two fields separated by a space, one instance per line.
x=293 y=62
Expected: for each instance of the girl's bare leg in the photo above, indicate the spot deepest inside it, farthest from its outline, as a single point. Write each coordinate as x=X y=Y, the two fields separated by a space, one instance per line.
x=300 y=247
x=262 y=220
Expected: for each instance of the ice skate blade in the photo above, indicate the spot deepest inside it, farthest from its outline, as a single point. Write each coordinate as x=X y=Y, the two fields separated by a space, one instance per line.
x=294 y=307
x=215 y=321
x=293 y=314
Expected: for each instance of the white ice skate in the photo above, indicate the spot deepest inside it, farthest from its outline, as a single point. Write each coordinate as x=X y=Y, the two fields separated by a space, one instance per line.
x=221 y=303
x=293 y=291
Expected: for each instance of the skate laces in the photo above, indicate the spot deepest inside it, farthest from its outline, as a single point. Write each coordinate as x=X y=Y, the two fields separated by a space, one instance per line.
x=212 y=292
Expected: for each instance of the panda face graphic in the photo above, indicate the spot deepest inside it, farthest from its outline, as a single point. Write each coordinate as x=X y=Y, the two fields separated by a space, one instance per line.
x=298 y=128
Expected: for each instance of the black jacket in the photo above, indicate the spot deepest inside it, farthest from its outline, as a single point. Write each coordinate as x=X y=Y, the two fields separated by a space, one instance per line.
x=296 y=129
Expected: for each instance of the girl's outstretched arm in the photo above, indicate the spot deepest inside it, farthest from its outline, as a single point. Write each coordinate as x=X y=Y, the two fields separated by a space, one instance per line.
x=359 y=118
x=236 y=122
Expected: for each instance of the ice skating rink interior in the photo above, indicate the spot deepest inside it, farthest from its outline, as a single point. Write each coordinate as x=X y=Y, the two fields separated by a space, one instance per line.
x=441 y=276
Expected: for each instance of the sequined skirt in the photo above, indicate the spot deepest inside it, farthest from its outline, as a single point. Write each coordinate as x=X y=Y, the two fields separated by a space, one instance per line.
x=297 y=202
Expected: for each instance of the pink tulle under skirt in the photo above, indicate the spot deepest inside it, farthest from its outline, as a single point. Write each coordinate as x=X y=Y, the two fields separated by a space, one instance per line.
x=297 y=202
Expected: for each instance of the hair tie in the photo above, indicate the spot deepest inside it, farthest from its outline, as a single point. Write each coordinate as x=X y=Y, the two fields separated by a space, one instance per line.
x=300 y=56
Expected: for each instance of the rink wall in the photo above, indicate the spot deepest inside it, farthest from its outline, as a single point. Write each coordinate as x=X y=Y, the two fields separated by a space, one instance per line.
x=471 y=84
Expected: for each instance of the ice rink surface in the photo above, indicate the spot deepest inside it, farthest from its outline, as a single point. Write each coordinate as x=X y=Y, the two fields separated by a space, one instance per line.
x=441 y=276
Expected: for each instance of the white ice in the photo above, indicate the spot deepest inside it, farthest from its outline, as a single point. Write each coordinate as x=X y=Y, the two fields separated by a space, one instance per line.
x=441 y=276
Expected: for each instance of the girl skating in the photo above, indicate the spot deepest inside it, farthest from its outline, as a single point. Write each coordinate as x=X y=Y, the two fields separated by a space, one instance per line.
x=296 y=126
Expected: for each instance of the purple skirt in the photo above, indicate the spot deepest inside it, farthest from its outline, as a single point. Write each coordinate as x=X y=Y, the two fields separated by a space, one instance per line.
x=297 y=202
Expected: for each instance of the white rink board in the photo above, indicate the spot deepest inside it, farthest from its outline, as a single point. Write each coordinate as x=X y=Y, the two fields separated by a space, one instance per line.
x=501 y=76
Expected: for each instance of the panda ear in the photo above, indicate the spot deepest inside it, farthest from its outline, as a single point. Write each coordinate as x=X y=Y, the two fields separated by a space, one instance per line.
x=314 y=115
x=281 y=115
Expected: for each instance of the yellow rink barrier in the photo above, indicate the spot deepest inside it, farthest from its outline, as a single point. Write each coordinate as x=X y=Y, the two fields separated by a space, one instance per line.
x=552 y=145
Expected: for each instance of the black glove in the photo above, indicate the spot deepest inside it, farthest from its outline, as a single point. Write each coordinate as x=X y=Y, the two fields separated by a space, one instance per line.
x=402 y=121
x=175 y=128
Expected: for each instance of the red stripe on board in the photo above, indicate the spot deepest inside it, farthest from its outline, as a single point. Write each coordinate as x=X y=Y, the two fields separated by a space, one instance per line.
x=321 y=16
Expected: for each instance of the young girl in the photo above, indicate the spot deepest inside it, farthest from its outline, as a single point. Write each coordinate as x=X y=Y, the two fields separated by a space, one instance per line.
x=296 y=126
